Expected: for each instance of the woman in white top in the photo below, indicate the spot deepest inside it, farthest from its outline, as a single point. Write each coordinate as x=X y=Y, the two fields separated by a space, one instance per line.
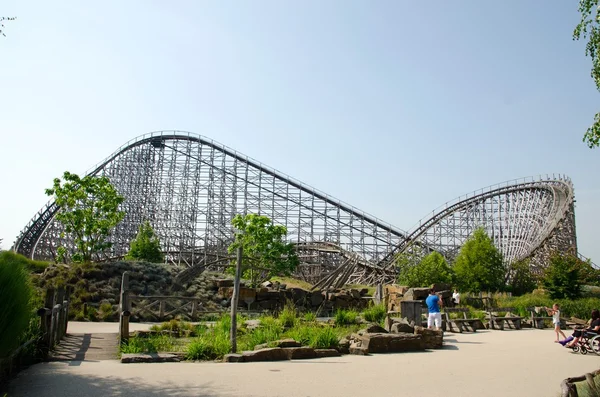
x=555 y=313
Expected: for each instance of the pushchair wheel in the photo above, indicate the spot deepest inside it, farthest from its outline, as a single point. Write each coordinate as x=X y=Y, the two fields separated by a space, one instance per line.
x=575 y=349
x=583 y=350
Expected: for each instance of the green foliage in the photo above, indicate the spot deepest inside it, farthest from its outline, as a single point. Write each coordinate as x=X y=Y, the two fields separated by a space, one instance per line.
x=288 y=316
x=105 y=312
x=208 y=347
x=589 y=28
x=145 y=246
x=266 y=253
x=375 y=313
x=88 y=211
x=478 y=266
x=15 y=298
x=310 y=317
x=580 y=308
x=150 y=344
x=430 y=270
x=345 y=317
x=324 y=338
x=522 y=280
x=562 y=278
x=176 y=327
x=29 y=264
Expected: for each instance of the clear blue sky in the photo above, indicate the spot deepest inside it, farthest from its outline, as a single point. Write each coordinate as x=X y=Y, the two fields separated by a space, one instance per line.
x=392 y=106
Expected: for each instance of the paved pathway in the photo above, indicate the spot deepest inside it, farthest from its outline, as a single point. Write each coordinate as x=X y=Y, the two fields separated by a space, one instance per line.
x=487 y=363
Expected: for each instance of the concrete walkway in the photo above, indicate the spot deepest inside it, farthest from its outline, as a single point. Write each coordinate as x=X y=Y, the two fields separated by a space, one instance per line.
x=487 y=363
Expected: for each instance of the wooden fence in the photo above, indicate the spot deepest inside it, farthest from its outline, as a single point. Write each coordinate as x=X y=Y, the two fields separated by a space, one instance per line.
x=53 y=327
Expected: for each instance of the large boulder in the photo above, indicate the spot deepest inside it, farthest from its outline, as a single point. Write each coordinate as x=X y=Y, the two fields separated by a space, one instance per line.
x=344 y=346
x=270 y=354
x=397 y=325
x=316 y=298
x=372 y=329
x=300 y=353
x=391 y=343
x=416 y=294
x=357 y=349
x=279 y=343
x=430 y=338
x=327 y=353
x=441 y=286
x=224 y=283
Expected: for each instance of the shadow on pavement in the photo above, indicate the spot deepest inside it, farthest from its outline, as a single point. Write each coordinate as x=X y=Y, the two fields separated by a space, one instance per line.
x=67 y=385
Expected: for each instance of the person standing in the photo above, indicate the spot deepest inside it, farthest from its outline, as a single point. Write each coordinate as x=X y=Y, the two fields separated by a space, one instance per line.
x=434 y=302
x=456 y=298
x=555 y=313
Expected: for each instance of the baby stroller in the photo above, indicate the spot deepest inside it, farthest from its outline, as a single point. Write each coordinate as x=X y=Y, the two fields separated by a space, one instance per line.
x=588 y=342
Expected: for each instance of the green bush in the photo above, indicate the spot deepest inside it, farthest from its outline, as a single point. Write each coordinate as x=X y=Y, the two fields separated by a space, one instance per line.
x=29 y=264
x=105 y=312
x=15 y=301
x=176 y=327
x=287 y=317
x=145 y=246
x=375 y=313
x=150 y=344
x=324 y=338
x=563 y=278
x=310 y=317
x=345 y=317
x=209 y=346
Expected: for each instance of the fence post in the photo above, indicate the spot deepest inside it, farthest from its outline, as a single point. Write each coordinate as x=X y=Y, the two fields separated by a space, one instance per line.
x=60 y=294
x=124 y=309
x=193 y=315
x=67 y=302
x=46 y=321
x=161 y=309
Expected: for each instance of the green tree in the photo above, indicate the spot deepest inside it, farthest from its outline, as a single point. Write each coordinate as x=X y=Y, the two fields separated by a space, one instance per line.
x=89 y=210
x=589 y=28
x=521 y=279
x=562 y=278
x=479 y=266
x=431 y=270
x=265 y=251
x=145 y=246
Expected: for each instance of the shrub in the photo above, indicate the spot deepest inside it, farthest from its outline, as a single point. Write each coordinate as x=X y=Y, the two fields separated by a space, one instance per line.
x=432 y=269
x=209 y=346
x=150 y=344
x=105 y=312
x=29 y=264
x=15 y=296
x=324 y=338
x=145 y=246
x=310 y=317
x=176 y=326
x=287 y=317
x=375 y=313
x=345 y=317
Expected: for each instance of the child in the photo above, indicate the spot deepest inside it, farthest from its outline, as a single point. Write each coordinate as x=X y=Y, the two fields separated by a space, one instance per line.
x=555 y=313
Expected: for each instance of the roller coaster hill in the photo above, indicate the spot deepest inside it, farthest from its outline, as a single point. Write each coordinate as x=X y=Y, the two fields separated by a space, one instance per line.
x=190 y=187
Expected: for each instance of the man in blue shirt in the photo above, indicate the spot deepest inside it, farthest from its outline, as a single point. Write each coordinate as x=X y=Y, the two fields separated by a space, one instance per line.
x=434 y=302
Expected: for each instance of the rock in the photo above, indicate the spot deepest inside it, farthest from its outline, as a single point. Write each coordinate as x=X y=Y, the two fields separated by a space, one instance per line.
x=128 y=358
x=355 y=293
x=373 y=328
x=233 y=358
x=343 y=346
x=224 y=283
x=404 y=327
x=270 y=354
x=287 y=343
x=327 y=353
x=415 y=294
x=364 y=291
x=226 y=292
x=316 y=298
x=430 y=338
x=358 y=350
x=398 y=328
x=441 y=287
x=261 y=346
x=267 y=284
x=268 y=304
x=247 y=293
x=300 y=353
x=391 y=343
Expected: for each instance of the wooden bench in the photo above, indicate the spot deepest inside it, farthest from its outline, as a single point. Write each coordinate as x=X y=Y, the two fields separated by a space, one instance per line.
x=539 y=318
x=497 y=322
x=460 y=324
